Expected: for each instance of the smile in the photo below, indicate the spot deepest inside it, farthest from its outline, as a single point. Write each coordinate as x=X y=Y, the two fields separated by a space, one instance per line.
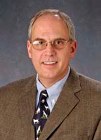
x=49 y=62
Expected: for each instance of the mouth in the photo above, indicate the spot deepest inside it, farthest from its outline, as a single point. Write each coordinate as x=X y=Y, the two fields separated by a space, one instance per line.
x=49 y=62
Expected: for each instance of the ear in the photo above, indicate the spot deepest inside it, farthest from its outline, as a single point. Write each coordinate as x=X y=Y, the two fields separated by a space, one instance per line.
x=73 y=48
x=29 y=49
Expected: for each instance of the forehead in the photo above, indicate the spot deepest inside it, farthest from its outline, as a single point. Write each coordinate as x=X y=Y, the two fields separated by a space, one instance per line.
x=49 y=24
x=51 y=16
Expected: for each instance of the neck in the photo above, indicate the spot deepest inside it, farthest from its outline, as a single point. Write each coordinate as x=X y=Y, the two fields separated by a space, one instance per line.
x=48 y=82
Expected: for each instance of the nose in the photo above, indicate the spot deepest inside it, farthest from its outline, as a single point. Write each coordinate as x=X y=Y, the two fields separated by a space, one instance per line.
x=50 y=50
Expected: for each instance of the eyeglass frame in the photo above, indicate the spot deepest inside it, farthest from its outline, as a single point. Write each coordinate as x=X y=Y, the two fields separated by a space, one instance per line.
x=52 y=43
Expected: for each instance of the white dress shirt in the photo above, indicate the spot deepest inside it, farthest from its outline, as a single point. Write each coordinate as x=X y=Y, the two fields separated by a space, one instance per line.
x=53 y=91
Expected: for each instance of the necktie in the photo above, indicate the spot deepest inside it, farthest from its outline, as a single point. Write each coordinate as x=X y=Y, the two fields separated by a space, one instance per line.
x=41 y=114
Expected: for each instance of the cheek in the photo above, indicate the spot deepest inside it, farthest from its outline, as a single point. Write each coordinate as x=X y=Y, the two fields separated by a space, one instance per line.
x=35 y=59
x=65 y=56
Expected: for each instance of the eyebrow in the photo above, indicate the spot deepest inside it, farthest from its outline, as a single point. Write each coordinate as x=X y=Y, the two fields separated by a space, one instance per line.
x=38 y=39
x=60 y=38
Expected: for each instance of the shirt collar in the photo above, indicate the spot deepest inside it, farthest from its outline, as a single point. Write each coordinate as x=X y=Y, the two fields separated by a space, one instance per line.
x=53 y=91
x=57 y=86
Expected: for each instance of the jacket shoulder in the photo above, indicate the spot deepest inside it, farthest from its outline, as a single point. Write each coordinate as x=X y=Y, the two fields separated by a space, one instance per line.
x=91 y=91
x=16 y=88
x=89 y=83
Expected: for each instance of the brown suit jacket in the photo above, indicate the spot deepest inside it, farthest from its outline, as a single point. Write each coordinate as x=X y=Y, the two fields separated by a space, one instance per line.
x=76 y=115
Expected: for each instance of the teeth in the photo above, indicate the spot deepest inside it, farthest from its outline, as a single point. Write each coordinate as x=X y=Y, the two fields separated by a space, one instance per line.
x=49 y=62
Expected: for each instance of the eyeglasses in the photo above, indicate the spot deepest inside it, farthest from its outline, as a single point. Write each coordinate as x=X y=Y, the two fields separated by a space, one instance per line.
x=41 y=44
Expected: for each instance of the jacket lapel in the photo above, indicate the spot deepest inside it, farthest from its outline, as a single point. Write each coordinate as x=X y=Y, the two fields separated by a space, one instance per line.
x=26 y=110
x=64 y=106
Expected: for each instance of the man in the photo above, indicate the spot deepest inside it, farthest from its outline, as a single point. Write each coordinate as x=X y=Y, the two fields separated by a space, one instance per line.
x=59 y=104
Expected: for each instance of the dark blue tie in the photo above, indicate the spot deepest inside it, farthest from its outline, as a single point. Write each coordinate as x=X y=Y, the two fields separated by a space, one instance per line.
x=41 y=114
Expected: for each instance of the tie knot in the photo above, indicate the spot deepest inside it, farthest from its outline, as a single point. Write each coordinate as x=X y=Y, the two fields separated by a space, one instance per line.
x=43 y=96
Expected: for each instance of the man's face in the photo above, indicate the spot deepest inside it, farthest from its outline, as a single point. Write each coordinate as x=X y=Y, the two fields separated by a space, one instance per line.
x=50 y=63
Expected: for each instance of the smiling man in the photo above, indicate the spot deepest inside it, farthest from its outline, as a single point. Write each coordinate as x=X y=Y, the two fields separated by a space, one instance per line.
x=59 y=103
x=50 y=48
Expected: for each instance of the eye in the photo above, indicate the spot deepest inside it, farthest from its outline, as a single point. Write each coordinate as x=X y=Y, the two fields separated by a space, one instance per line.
x=38 y=42
x=59 y=42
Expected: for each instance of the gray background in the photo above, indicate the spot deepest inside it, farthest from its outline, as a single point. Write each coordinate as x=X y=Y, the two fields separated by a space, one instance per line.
x=14 y=21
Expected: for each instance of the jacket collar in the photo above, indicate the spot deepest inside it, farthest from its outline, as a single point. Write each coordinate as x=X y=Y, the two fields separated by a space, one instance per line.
x=27 y=108
x=65 y=104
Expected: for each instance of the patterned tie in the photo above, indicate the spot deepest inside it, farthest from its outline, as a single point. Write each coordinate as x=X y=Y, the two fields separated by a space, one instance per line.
x=41 y=114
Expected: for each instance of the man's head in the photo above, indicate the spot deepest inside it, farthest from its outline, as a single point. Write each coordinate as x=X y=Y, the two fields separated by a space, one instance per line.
x=51 y=45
